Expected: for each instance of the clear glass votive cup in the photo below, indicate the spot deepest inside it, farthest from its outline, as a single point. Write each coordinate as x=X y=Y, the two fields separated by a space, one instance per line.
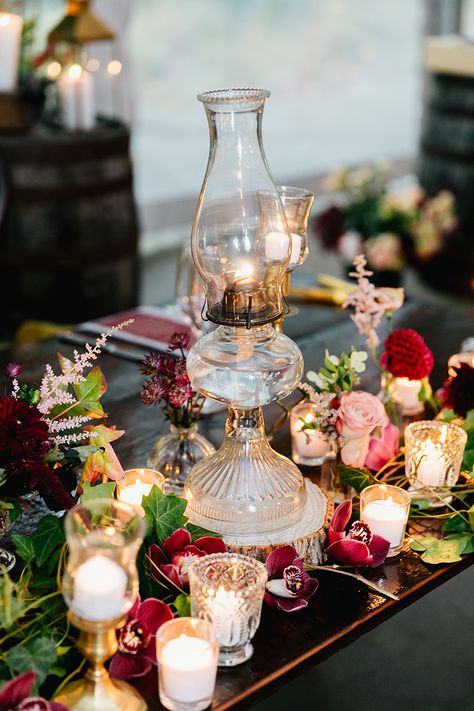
x=138 y=483
x=308 y=446
x=187 y=652
x=433 y=456
x=385 y=509
x=227 y=590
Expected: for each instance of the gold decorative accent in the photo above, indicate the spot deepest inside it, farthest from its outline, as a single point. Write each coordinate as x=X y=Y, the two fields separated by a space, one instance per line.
x=97 y=691
x=80 y=25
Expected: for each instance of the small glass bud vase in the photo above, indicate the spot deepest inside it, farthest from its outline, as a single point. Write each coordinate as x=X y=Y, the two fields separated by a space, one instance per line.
x=227 y=590
x=175 y=454
x=308 y=445
x=433 y=456
x=186 y=651
x=331 y=480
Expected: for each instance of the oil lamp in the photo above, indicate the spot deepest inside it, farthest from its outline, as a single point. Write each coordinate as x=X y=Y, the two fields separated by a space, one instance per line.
x=241 y=246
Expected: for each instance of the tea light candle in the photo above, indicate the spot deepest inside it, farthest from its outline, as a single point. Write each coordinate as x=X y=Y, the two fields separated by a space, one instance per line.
x=308 y=445
x=385 y=509
x=10 y=37
x=432 y=466
x=407 y=392
x=137 y=484
x=76 y=88
x=276 y=246
x=187 y=668
x=100 y=586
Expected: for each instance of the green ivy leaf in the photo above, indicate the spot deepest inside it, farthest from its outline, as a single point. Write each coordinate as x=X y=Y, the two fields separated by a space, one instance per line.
x=469 y=422
x=422 y=544
x=444 y=551
x=47 y=537
x=466 y=539
x=163 y=514
x=24 y=547
x=198 y=532
x=357 y=478
x=39 y=656
x=100 y=491
x=456 y=524
x=183 y=605
x=11 y=607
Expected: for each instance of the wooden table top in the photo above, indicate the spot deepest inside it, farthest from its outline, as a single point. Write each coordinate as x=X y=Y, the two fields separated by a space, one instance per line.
x=342 y=609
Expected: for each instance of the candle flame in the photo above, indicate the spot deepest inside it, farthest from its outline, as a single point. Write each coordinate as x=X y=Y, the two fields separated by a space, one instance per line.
x=75 y=71
x=246 y=270
x=114 y=67
x=53 y=70
x=4 y=20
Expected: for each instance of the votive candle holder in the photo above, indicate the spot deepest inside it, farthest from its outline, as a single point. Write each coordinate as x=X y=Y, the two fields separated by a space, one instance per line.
x=308 y=445
x=384 y=508
x=138 y=483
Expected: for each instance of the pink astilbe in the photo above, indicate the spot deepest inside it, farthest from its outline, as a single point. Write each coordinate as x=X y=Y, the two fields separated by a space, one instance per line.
x=325 y=412
x=368 y=311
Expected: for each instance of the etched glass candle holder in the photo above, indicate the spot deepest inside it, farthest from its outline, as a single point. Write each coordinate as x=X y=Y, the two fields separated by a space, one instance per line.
x=385 y=509
x=138 y=483
x=308 y=445
x=433 y=458
x=227 y=590
x=186 y=651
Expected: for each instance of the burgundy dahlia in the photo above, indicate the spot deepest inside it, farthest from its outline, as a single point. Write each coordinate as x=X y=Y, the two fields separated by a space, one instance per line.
x=22 y=429
x=407 y=355
x=458 y=390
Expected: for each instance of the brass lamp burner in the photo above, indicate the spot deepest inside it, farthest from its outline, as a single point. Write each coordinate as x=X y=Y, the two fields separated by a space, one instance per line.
x=80 y=25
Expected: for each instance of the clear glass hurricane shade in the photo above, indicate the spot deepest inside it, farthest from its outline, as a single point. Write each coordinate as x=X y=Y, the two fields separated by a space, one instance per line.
x=100 y=581
x=297 y=203
x=240 y=238
x=227 y=590
x=245 y=368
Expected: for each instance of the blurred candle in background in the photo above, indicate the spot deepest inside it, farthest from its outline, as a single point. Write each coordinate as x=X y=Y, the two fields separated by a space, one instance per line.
x=76 y=89
x=10 y=38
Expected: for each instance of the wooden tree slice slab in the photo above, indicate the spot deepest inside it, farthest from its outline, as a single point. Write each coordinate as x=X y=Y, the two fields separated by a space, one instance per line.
x=307 y=535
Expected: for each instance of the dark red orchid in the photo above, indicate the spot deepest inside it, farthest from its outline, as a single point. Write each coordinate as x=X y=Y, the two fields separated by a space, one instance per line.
x=137 y=644
x=171 y=562
x=15 y=696
x=289 y=586
x=359 y=546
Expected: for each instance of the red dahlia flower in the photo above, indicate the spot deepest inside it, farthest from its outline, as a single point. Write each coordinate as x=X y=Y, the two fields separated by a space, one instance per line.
x=15 y=696
x=457 y=392
x=359 y=546
x=171 y=563
x=137 y=644
x=407 y=355
x=22 y=429
x=289 y=586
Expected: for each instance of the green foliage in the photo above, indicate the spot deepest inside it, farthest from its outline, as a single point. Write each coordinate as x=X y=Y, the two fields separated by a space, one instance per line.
x=199 y=532
x=38 y=655
x=446 y=550
x=163 y=514
x=357 y=478
x=99 y=491
x=183 y=605
x=11 y=606
x=340 y=373
x=456 y=524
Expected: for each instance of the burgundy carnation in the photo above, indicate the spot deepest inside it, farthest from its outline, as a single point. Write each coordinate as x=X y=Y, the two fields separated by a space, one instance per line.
x=458 y=390
x=407 y=355
x=22 y=429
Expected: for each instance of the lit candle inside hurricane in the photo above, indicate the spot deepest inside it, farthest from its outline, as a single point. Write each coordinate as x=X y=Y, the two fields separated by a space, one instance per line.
x=138 y=483
x=431 y=464
x=277 y=246
x=407 y=391
x=10 y=36
x=99 y=589
x=225 y=620
x=385 y=509
x=295 y=249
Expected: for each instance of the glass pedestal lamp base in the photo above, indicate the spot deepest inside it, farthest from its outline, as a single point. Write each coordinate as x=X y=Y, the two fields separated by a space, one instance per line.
x=229 y=657
x=245 y=488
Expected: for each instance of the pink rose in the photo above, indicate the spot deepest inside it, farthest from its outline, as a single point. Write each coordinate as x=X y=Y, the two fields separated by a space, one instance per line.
x=358 y=415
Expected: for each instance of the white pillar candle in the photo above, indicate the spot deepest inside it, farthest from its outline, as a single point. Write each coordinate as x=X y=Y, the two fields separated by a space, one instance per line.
x=295 y=248
x=100 y=586
x=386 y=518
x=76 y=88
x=223 y=611
x=407 y=392
x=10 y=37
x=276 y=246
x=431 y=463
x=187 y=668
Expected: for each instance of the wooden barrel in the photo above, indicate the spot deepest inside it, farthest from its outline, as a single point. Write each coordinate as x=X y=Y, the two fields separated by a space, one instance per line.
x=446 y=161
x=68 y=238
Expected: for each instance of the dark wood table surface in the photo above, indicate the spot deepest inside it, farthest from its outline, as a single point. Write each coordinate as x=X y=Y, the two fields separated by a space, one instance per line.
x=342 y=609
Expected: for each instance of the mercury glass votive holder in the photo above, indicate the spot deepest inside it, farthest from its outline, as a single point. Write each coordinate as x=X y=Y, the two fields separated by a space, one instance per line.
x=385 y=508
x=308 y=445
x=186 y=652
x=138 y=483
x=227 y=590
x=433 y=457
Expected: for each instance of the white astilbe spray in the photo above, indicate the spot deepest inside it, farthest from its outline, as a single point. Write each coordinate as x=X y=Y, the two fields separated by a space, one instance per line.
x=54 y=390
x=368 y=311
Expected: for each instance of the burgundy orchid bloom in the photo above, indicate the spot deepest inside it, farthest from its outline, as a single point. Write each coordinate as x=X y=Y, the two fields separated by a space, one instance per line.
x=172 y=561
x=359 y=546
x=382 y=449
x=289 y=586
x=12 y=370
x=15 y=696
x=136 y=644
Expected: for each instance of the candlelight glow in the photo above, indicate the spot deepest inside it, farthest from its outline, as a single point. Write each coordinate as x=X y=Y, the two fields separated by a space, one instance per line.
x=114 y=67
x=75 y=71
x=53 y=70
x=246 y=270
x=92 y=65
x=4 y=20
